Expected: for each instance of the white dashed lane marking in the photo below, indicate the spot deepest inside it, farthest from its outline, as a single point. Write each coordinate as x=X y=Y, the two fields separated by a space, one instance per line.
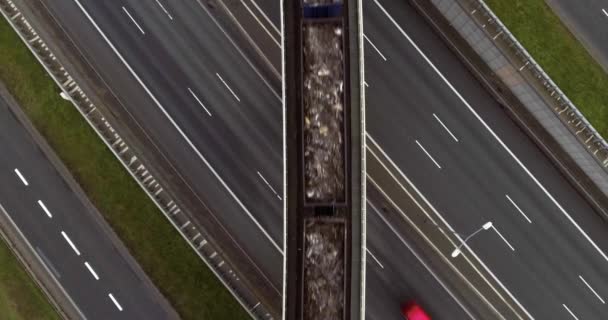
x=91 y=271
x=118 y=306
x=44 y=208
x=21 y=177
x=69 y=241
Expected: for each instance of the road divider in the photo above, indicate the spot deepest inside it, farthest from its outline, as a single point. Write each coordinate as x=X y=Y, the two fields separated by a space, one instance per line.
x=265 y=44
x=420 y=214
x=38 y=269
x=422 y=261
x=275 y=38
x=524 y=90
x=127 y=157
x=456 y=7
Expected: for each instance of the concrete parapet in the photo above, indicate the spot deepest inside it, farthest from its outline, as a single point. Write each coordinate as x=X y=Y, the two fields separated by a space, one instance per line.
x=523 y=88
x=198 y=239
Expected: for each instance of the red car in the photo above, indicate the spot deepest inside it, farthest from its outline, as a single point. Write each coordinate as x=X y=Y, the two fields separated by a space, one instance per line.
x=413 y=311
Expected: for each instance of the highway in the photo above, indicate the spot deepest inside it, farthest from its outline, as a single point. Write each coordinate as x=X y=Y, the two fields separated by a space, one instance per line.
x=453 y=141
x=201 y=102
x=448 y=136
x=67 y=236
x=392 y=260
x=587 y=20
x=475 y=165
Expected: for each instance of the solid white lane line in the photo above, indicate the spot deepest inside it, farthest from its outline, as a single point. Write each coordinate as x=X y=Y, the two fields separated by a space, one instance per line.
x=224 y=82
x=605 y=12
x=445 y=127
x=437 y=250
x=269 y=186
x=134 y=22
x=503 y=238
x=518 y=209
x=590 y=288
x=570 y=312
x=444 y=221
x=426 y=266
x=118 y=306
x=240 y=51
x=495 y=136
x=44 y=262
x=374 y=257
x=165 y=10
x=263 y=13
x=428 y=154
x=199 y=101
x=177 y=127
x=48 y=213
x=21 y=177
x=91 y=270
x=261 y=24
x=374 y=46
x=67 y=239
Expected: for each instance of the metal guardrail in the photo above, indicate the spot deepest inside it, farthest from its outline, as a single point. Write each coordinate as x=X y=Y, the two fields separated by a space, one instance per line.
x=565 y=110
x=144 y=178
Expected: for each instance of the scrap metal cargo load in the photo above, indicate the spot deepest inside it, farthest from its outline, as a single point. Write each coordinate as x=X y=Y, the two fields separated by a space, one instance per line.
x=321 y=162
x=324 y=246
x=323 y=100
x=322 y=87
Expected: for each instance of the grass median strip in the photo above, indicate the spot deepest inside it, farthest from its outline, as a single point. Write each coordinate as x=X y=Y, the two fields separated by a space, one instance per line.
x=176 y=270
x=560 y=54
x=20 y=297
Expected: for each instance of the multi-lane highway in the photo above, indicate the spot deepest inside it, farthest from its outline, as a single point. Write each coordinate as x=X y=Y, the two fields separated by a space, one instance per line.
x=474 y=165
x=200 y=101
x=588 y=20
x=440 y=128
x=219 y=124
x=67 y=236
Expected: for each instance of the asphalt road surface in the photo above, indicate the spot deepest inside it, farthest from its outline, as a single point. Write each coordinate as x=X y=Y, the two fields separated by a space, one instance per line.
x=475 y=165
x=398 y=271
x=478 y=169
x=66 y=236
x=588 y=20
x=452 y=140
x=208 y=111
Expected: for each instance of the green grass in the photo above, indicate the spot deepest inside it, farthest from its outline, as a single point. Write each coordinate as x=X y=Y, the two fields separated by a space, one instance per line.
x=20 y=297
x=560 y=54
x=172 y=265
